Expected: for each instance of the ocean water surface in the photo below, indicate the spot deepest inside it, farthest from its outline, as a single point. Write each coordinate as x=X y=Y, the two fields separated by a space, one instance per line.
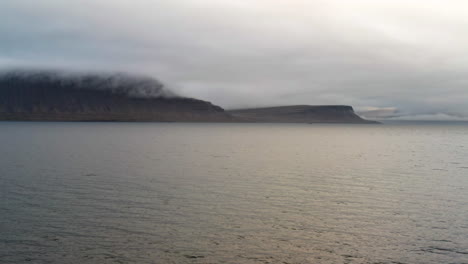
x=233 y=193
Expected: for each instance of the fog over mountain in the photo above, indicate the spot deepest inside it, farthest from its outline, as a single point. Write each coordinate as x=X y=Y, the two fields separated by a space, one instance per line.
x=40 y=95
x=77 y=96
x=137 y=86
x=397 y=59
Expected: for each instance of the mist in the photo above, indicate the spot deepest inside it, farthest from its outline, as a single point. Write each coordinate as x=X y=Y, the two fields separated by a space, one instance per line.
x=137 y=86
x=407 y=56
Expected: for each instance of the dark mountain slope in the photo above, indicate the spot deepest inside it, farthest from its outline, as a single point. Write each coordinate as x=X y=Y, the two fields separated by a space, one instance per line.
x=48 y=96
x=56 y=96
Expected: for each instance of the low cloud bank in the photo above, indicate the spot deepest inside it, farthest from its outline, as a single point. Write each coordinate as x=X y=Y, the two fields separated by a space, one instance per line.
x=121 y=83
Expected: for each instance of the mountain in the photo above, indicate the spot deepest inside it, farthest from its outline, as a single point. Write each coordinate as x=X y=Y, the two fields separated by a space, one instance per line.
x=54 y=96
x=301 y=114
x=58 y=96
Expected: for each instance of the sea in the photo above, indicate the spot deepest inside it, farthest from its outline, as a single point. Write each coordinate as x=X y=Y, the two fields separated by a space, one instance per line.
x=93 y=193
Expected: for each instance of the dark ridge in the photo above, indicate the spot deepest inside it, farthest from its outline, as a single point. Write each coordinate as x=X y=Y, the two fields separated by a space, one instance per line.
x=60 y=96
x=301 y=114
x=56 y=96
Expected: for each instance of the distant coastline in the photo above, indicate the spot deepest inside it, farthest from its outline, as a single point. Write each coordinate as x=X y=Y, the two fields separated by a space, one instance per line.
x=301 y=114
x=53 y=96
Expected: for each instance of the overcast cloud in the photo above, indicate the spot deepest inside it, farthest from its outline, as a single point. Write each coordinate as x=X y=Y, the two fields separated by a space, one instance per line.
x=391 y=58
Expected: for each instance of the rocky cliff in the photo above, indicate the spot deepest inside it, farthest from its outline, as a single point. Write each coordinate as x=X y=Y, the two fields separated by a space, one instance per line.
x=49 y=96
x=55 y=96
x=301 y=114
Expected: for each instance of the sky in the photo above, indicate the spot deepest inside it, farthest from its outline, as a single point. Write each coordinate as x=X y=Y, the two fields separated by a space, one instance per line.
x=389 y=59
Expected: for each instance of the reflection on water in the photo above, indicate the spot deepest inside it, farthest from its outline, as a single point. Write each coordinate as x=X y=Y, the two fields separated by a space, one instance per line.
x=233 y=193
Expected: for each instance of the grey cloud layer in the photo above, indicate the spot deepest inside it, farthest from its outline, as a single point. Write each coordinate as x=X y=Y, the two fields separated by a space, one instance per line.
x=406 y=55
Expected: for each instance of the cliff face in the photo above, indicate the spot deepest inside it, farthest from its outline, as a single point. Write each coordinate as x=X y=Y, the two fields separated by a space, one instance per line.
x=52 y=96
x=301 y=114
x=45 y=96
